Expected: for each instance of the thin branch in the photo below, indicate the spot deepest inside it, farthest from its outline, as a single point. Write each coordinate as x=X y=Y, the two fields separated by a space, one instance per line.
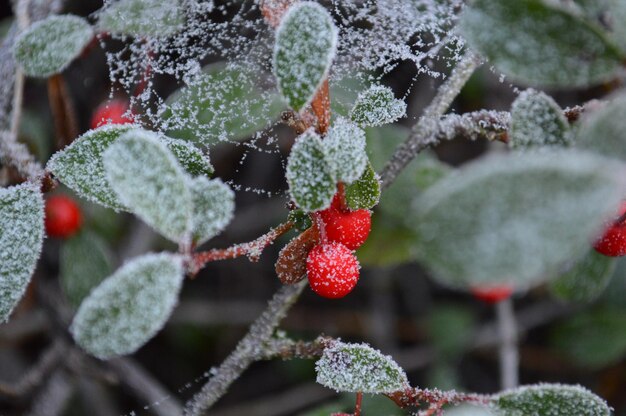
x=55 y=395
x=508 y=352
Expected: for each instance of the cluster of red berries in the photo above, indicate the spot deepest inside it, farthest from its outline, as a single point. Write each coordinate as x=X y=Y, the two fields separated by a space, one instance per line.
x=63 y=217
x=332 y=268
x=612 y=243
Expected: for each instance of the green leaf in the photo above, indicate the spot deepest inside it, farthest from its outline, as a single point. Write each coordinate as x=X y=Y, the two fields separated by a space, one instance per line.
x=85 y=261
x=468 y=410
x=586 y=279
x=616 y=14
x=344 y=146
x=129 y=307
x=359 y=368
x=536 y=121
x=79 y=165
x=21 y=239
x=309 y=175
x=142 y=18
x=300 y=219
x=377 y=106
x=305 y=47
x=388 y=244
x=148 y=179
x=540 y=42
x=189 y=156
x=222 y=103
x=592 y=339
x=514 y=218
x=364 y=193
x=602 y=131
x=48 y=46
x=550 y=399
x=213 y=207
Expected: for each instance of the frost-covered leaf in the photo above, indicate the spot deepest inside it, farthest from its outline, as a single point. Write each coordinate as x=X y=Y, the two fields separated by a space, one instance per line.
x=85 y=261
x=309 y=175
x=550 y=399
x=149 y=181
x=21 y=238
x=536 y=120
x=345 y=150
x=142 y=18
x=602 y=131
x=469 y=410
x=540 y=42
x=616 y=13
x=592 y=339
x=305 y=47
x=129 y=307
x=377 y=106
x=291 y=263
x=586 y=279
x=213 y=207
x=222 y=103
x=300 y=219
x=359 y=368
x=189 y=156
x=48 y=46
x=364 y=193
x=516 y=217
x=79 y=165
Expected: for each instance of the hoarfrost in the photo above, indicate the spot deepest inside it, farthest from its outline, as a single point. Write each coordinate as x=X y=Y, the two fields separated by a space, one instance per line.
x=213 y=207
x=602 y=131
x=377 y=106
x=344 y=146
x=130 y=306
x=190 y=157
x=141 y=17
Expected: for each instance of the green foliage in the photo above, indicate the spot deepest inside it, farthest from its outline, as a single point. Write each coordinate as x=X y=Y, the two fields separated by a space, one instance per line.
x=344 y=146
x=142 y=18
x=602 y=131
x=213 y=208
x=48 y=47
x=21 y=238
x=388 y=244
x=359 y=368
x=586 y=279
x=364 y=193
x=550 y=399
x=305 y=47
x=150 y=182
x=309 y=175
x=85 y=261
x=130 y=307
x=190 y=157
x=540 y=42
x=377 y=106
x=536 y=121
x=300 y=219
x=514 y=218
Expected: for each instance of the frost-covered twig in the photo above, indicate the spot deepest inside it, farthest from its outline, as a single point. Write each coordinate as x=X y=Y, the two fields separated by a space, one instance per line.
x=246 y=351
x=508 y=352
x=422 y=133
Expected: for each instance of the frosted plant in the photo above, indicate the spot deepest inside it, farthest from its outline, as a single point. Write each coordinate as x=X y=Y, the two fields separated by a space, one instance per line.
x=345 y=151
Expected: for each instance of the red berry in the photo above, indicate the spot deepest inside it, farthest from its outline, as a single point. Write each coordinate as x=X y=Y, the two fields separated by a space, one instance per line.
x=111 y=112
x=348 y=228
x=63 y=217
x=492 y=294
x=613 y=242
x=332 y=270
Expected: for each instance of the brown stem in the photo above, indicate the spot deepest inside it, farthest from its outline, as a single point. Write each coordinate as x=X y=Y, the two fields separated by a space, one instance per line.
x=321 y=107
x=65 y=124
x=274 y=10
x=359 y=402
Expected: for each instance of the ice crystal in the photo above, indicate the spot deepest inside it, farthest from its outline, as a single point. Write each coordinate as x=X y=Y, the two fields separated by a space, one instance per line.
x=21 y=238
x=345 y=150
x=190 y=157
x=149 y=181
x=377 y=106
x=359 y=368
x=130 y=306
x=469 y=410
x=47 y=47
x=213 y=207
x=142 y=18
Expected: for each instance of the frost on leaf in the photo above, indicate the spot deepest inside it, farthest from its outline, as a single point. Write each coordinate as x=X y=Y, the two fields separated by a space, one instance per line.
x=602 y=131
x=129 y=307
x=79 y=165
x=305 y=47
x=540 y=42
x=21 y=238
x=345 y=150
x=310 y=178
x=536 y=120
x=190 y=157
x=220 y=103
x=364 y=193
x=586 y=279
x=377 y=106
x=550 y=399
x=515 y=217
x=359 y=368
x=85 y=261
x=50 y=45
x=149 y=181
x=469 y=410
x=213 y=207
x=142 y=18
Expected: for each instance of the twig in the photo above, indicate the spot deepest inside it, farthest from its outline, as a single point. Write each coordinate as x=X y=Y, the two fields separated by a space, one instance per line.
x=508 y=353
x=53 y=399
x=359 y=404
x=65 y=121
